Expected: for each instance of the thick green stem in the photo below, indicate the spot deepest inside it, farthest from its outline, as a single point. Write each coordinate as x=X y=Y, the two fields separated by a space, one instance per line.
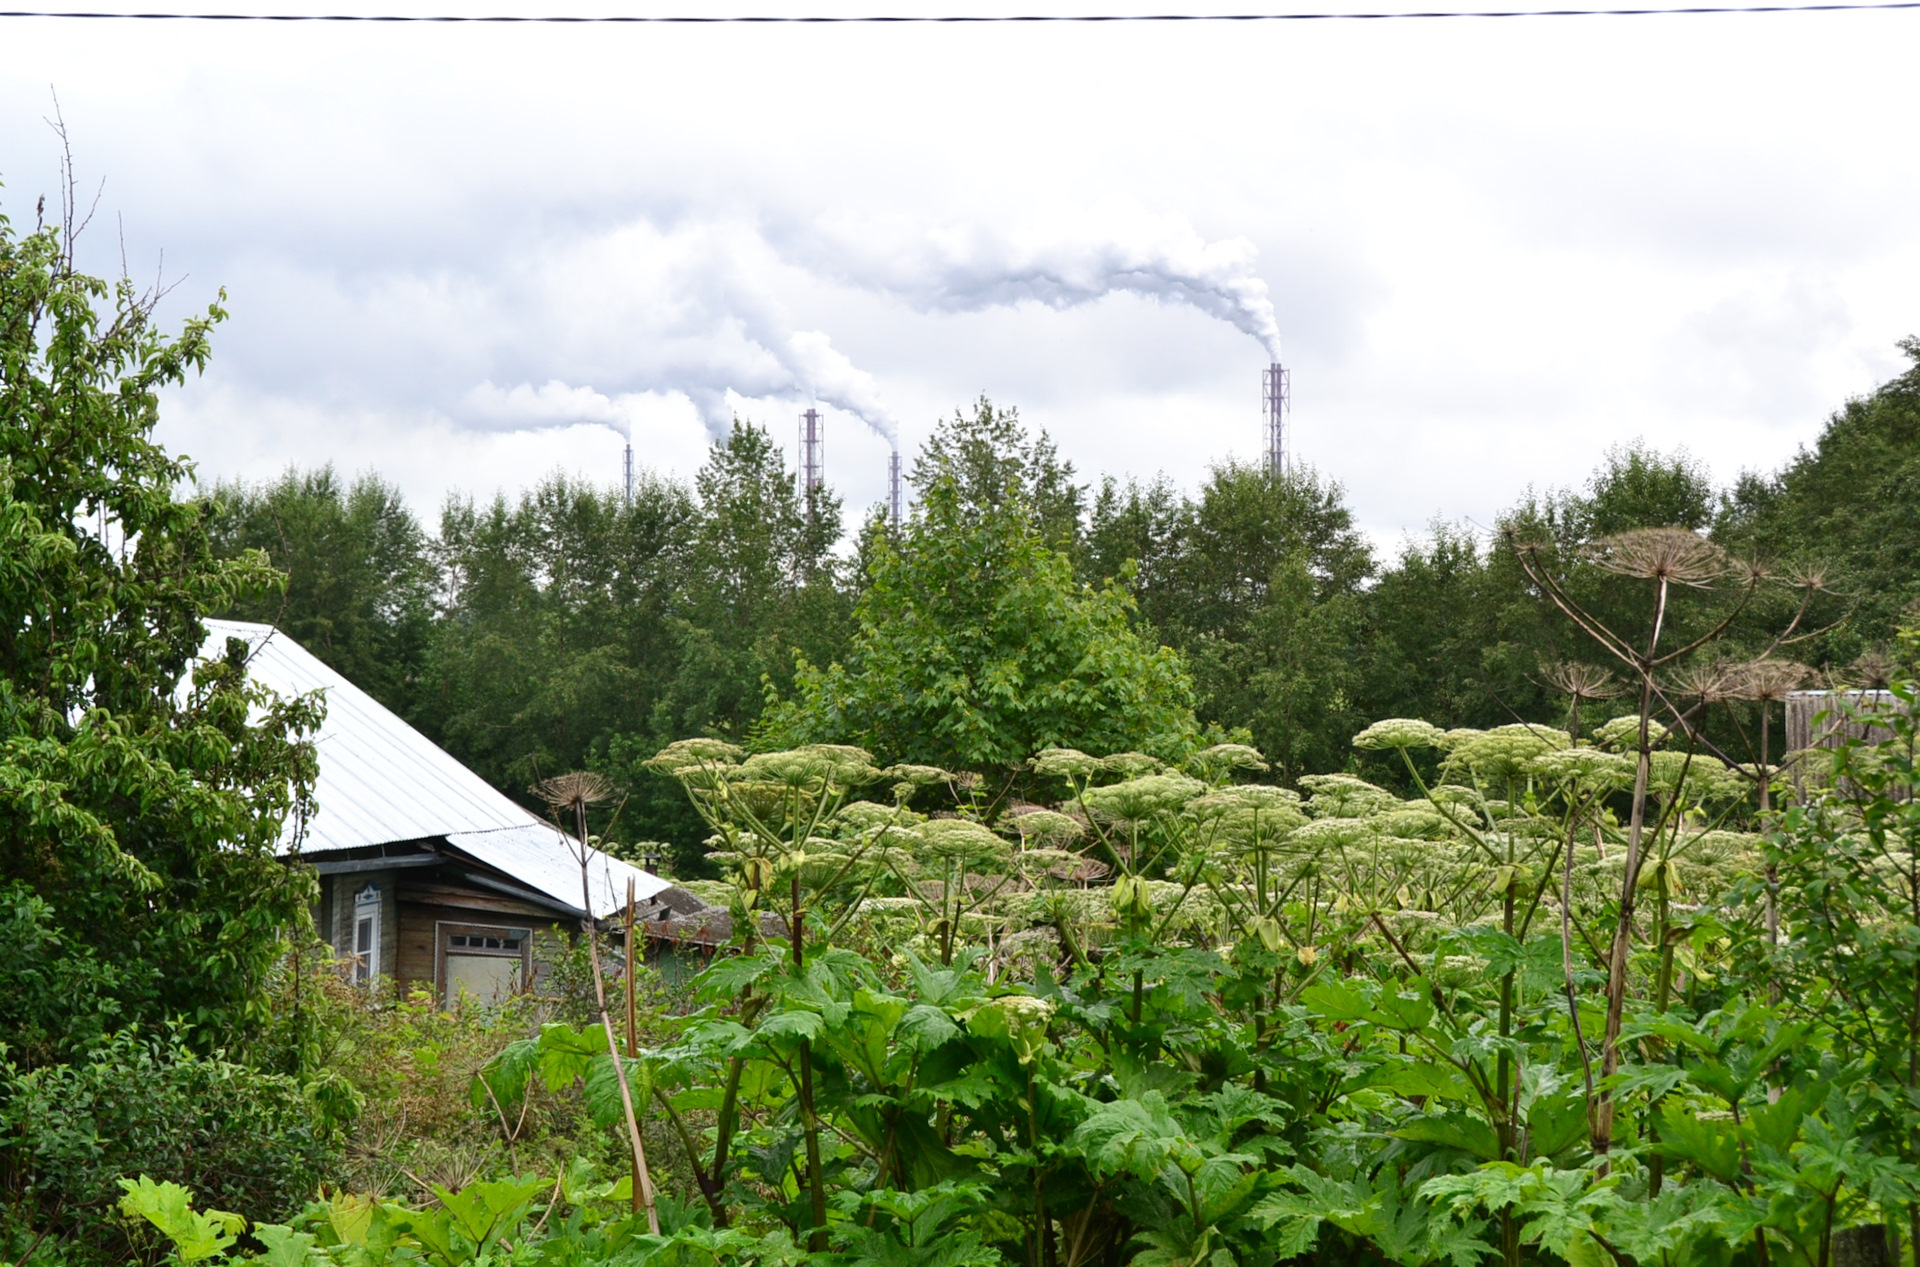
x=729 y=1115
x=810 y=1126
x=809 y=1123
x=1039 y=1186
x=1619 y=953
x=1663 y=989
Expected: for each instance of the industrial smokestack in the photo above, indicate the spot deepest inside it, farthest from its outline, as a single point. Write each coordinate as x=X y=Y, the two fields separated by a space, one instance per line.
x=1277 y=394
x=629 y=472
x=895 y=506
x=812 y=458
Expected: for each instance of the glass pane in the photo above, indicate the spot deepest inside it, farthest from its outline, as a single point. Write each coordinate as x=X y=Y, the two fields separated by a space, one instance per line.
x=481 y=978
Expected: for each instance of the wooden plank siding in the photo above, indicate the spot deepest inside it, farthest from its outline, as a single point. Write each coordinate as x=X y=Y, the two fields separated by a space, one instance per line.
x=426 y=905
x=1819 y=720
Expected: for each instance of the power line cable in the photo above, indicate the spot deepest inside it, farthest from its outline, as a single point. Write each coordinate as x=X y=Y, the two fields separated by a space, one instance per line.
x=945 y=19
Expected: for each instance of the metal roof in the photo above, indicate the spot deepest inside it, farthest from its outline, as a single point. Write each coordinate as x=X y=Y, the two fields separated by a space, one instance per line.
x=383 y=782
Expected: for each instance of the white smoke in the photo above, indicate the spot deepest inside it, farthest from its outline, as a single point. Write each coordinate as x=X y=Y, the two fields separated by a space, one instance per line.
x=829 y=376
x=694 y=310
x=967 y=269
x=553 y=404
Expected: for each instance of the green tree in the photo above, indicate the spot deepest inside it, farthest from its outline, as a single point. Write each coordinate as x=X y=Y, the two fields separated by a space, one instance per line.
x=1287 y=674
x=1850 y=504
x=1433 y=633
x=557 y=633
x=1258 y=582
x=1247 y=527
x=139 y=811
x=761 y=584
x=1454 y=630
x=988 y=456
x=758 y=585
x=1145 y=525
x=360 y=573
x=976 y=647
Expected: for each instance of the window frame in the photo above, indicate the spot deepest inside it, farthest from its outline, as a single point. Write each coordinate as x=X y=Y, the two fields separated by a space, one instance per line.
x=445 y=930
x=366 y=913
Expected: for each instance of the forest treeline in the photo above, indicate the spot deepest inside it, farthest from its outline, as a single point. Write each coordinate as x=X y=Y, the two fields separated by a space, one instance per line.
x=570 y=628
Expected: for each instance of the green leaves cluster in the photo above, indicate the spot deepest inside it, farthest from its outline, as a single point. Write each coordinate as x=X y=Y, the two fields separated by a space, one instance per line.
x=139 y=806
x=977 y=646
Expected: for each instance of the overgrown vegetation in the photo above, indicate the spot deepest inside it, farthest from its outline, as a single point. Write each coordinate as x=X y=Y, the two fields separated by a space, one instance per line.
x=1178 y=1018
x=1056 y=942
x=572 y=630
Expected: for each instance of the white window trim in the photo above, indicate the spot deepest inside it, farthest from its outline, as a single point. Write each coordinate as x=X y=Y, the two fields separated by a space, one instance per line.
x=366 y=913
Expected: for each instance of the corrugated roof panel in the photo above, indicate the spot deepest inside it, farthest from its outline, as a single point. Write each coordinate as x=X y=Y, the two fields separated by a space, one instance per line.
x=543 y=859
x=381 y=782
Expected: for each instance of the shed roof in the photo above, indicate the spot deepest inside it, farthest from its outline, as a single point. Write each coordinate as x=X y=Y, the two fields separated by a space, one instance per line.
x=382 y=782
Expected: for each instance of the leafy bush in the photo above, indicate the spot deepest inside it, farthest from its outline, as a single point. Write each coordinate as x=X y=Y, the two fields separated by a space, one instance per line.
x=245 y=1138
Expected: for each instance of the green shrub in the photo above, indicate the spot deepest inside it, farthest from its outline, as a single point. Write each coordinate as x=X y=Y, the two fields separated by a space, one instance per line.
x=245 y=1139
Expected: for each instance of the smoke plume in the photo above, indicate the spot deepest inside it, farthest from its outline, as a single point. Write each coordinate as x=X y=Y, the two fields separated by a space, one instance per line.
x=696 y=309
x=967 y=269
x=554 y=404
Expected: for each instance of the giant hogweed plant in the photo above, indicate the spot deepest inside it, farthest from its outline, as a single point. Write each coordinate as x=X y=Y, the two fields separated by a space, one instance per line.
x=1331 y=1028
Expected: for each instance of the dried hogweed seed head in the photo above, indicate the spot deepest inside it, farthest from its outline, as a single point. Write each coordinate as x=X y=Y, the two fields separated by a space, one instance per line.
x=1582 y=681
x=1708 y=683
x=1768 y=681
x=582 y=787
x=1675 y=555
x=1873 y=671
x=1810 y=578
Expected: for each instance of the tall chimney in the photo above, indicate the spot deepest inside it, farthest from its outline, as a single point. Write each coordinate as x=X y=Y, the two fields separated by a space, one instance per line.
x=629 y=472
x=895 y=506
x=1278 y=401
x=812 y=466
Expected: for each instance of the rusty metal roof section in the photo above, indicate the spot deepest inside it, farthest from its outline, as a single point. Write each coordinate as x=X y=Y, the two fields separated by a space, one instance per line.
x=382 y=782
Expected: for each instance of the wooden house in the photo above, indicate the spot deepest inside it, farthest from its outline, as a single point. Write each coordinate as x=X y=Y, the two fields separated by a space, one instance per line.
x=428 y=874
x=1827 y=720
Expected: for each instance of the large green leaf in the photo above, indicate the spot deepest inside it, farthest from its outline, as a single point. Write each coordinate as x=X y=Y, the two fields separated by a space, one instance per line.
x=1710 y=1144
x=1454 y=1130
x=1556 y=1122
x=604 y=1104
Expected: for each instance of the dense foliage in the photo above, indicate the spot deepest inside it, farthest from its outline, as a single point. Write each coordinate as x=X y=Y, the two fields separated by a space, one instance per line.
x=570 y=628
x=1176 y=1018
x=1566 y=961
x=138 y=809
x=976 y=646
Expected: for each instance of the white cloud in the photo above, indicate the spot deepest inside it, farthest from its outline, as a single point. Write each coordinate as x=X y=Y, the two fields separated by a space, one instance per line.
x=1493 y=249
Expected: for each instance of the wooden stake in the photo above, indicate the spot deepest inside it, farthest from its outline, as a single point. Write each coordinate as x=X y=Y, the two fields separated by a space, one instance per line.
x=633 y=1028
x=633 y=1033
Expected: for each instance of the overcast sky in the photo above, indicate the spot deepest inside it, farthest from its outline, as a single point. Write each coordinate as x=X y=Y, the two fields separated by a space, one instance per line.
x=465 y=256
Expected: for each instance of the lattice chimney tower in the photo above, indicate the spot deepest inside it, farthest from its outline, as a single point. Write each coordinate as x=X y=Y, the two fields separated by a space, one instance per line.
x=812 y=458
x=1278 y=402
x=896 y=509
x=629 y=472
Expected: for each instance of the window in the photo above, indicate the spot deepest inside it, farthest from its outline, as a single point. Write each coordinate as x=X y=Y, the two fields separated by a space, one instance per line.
x=482 y=964
x=366 y=935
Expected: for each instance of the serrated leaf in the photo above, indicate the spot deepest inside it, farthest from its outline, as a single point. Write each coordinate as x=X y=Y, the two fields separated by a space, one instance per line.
x=604 y=1105
x=1453 y=1130
x=924 y=1028
x=793 y=1024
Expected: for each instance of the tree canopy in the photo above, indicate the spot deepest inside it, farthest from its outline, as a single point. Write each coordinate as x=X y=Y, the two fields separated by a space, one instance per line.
x=976 y=646
x=139 y=806
x=569 y=628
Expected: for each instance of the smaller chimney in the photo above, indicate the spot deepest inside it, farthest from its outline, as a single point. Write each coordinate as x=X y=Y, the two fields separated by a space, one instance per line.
x=812 y=462
x=895 y=506
x=629 y=472
x=1277 y=398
